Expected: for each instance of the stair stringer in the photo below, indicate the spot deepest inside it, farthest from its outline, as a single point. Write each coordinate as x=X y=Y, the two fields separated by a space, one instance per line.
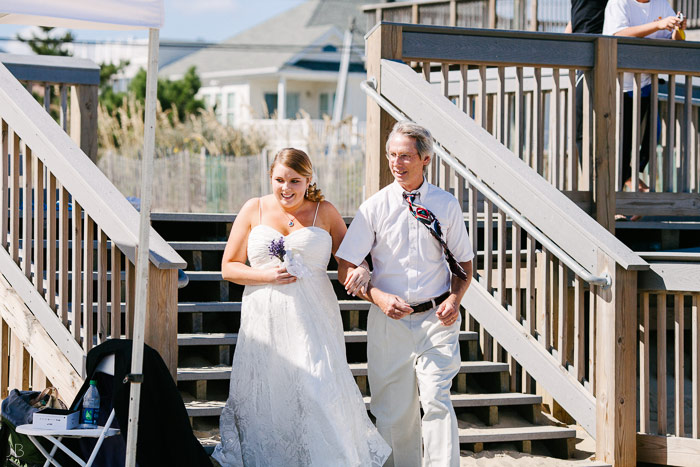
x=37 y=341
x=525 y=349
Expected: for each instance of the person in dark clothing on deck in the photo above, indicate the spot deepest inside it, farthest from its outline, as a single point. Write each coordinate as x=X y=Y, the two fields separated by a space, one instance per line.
x=587 y=17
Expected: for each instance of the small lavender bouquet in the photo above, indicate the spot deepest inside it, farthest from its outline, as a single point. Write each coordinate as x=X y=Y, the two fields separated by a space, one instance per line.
x=290 y=259
x=276 y=249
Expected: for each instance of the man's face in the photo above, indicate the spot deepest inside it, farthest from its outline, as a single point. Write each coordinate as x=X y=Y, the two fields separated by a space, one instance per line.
x=405 y=162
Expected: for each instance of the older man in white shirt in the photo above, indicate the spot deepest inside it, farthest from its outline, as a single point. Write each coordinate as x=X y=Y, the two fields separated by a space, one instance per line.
x=414 y=321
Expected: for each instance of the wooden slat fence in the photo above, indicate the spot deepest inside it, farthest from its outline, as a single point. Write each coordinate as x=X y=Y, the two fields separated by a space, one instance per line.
x=186 y=182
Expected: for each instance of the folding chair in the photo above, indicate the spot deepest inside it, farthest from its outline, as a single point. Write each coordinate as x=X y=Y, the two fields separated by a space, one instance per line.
x=56 y=436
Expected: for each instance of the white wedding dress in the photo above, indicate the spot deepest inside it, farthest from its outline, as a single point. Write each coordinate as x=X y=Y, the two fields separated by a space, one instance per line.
x=292 y=399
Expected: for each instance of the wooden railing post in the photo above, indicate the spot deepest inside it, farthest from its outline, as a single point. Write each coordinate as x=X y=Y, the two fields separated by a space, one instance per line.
x=605 y=115
x=83 y=118
x=616 y=350
x=533 y=15
x=492 y=14
x=161 y=318
x=383 y=42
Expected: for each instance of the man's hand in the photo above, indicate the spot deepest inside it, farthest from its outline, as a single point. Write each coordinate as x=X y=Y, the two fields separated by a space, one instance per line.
x=669 y=23
x=448 y=311
x=392 y=306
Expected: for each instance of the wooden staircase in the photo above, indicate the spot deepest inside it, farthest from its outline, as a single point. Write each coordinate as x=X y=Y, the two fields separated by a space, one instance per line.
x=209 y=316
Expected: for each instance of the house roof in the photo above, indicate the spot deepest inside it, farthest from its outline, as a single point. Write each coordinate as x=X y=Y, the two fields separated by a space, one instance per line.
x=279 y=41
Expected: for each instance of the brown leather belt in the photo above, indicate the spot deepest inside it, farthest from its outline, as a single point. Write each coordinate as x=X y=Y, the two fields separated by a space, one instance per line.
x=430 y=304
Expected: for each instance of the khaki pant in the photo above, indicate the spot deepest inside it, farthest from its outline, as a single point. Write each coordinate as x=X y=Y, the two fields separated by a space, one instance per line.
x=411 y=359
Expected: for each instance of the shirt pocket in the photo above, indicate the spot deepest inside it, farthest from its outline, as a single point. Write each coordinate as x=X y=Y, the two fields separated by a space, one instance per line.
x=428 y=246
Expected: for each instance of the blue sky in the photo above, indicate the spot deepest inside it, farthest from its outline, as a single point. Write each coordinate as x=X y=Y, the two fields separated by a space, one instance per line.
x=208 y=20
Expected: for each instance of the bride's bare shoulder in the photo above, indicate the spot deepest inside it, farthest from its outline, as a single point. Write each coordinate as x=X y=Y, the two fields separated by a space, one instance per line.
x=249 y=211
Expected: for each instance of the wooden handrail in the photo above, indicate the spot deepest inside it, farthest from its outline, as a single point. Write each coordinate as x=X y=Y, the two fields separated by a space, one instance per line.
x=49 y=69
x=86 y=183
x=388 y=6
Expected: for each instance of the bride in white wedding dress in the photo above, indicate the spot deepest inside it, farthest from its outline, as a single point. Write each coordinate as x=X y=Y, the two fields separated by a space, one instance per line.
x=292 y=399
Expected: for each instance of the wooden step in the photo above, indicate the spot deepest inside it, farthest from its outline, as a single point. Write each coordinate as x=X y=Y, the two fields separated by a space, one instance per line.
x=198 y=246
x=204 y=276
x=220 y=338
x=358 y=369
x=518 y=433
x=191 y=217
x=204 y=408
x=235 y=307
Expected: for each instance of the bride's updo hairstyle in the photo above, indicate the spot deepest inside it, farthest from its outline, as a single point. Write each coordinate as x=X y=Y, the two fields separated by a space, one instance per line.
x=299 y=162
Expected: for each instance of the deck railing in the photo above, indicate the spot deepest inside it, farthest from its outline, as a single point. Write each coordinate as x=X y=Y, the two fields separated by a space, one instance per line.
x=575 y=341
x=519 y=87
x=68 y=88
x=669 y=391
x=531 y=15
x=69 y=242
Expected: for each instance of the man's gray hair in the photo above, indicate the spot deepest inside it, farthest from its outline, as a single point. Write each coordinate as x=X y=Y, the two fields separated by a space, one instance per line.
x=424 y=140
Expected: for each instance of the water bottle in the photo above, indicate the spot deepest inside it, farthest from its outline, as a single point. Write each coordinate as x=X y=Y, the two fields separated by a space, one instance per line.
x=91 y=405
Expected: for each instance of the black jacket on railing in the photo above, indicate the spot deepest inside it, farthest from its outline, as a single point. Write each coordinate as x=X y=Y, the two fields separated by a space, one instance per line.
x=165 y=436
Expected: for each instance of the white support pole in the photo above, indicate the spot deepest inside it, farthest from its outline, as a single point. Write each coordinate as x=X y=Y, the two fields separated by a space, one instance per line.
x=282 y=98
x=343 y=75
x=142 y=258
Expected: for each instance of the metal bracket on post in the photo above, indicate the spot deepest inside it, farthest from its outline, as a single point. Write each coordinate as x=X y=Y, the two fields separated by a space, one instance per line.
x=133 y=378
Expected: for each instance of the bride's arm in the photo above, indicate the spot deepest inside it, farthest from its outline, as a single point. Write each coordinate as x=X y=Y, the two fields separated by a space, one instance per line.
x=233 y=263
x=357 y=280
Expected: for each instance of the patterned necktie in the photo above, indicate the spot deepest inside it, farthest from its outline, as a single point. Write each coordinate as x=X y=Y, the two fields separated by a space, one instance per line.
x=428 y=219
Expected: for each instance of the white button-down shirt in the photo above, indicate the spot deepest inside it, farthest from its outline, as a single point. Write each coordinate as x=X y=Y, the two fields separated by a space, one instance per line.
x=407 y=260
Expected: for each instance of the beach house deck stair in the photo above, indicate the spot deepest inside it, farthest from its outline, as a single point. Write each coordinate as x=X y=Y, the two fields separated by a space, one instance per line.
x=209 y=314
x=570 y=307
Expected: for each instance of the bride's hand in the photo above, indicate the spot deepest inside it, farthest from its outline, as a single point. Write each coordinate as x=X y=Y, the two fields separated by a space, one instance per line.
x=279 y=275
x=357 y=281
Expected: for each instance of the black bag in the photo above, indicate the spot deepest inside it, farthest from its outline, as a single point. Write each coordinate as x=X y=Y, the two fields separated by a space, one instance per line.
x=18 y=449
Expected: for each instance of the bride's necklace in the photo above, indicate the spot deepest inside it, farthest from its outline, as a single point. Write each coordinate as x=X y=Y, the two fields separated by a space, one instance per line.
x=290 y=217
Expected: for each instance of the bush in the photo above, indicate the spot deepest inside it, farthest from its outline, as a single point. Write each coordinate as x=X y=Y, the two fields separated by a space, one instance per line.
x=121 y=131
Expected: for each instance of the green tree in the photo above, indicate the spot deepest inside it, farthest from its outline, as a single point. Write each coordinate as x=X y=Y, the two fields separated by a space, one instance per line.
x=45 y=43
x=178 y=93
x=108 y=97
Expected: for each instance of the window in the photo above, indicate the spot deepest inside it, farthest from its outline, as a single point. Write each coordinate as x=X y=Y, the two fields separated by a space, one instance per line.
x=208 y=98
x=218 y=108
x=231 y=108
x=325 y=104
x=270 y=104
x=292 y=104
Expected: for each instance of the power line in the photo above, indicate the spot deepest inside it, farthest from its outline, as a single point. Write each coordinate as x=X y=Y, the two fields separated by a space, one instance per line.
x=217 y=46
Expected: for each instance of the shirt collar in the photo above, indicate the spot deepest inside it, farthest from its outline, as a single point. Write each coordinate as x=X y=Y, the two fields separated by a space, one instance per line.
x=422 y=190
